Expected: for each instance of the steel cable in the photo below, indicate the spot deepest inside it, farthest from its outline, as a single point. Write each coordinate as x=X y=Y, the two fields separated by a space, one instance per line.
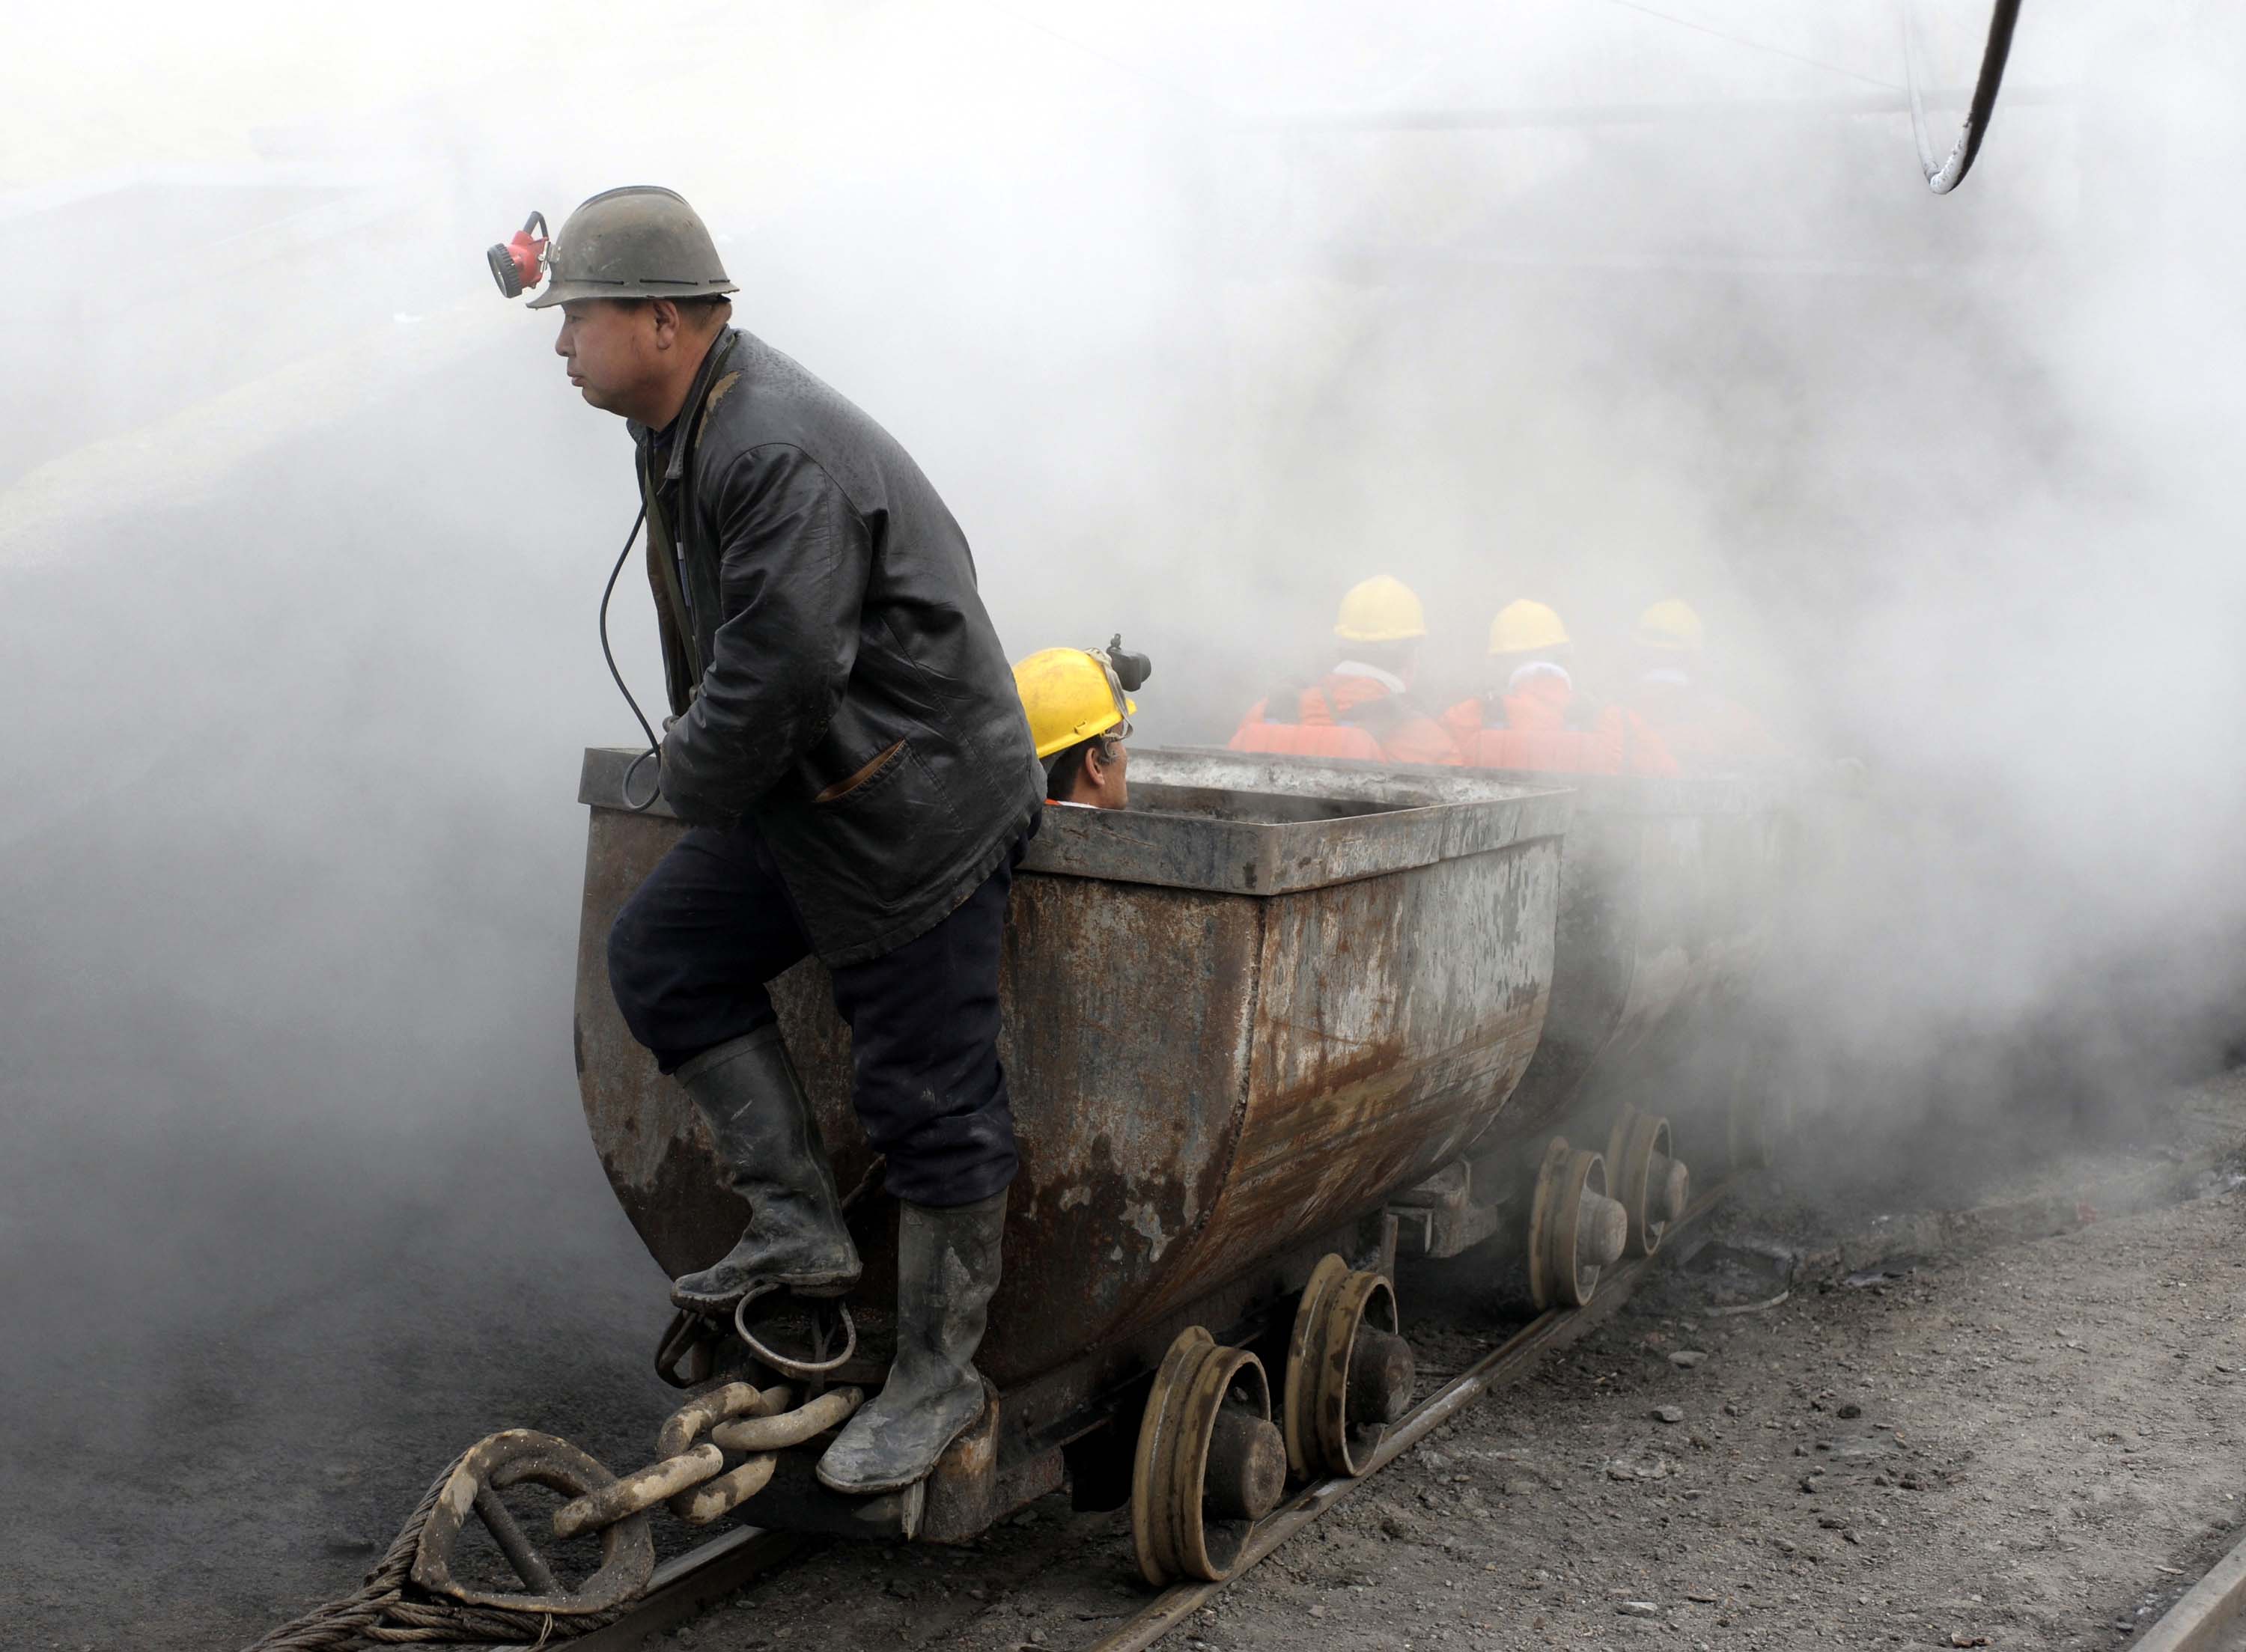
x=1943 y=176
x=386 y=1610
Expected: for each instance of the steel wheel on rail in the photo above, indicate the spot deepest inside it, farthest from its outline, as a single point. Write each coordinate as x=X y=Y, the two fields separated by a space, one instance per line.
x=1210 y=1464
x=1349 y=1371
x=1644 y=1174
x=1575 y=1230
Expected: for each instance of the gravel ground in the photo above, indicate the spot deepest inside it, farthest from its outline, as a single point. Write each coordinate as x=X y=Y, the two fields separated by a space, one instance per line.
x=2038 y=1444
x=2012 y=1448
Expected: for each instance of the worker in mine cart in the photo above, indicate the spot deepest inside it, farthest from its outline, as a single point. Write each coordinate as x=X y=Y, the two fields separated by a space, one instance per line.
x=1532 y=714
x=1710 y=732
x=1079 y=708
x=848 y=751
x=1365 y=706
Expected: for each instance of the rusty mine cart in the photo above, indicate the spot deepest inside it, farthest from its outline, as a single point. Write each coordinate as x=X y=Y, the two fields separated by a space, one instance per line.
x=1271 y=1025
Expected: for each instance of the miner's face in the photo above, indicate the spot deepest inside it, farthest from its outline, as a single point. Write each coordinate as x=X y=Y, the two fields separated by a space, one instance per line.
x=612 y=350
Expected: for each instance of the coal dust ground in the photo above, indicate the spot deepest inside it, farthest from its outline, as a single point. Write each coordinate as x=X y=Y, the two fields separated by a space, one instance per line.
x=296 y=1197
x=196 y=1486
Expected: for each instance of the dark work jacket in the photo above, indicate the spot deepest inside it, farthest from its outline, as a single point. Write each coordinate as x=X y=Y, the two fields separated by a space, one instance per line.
x=835 y=678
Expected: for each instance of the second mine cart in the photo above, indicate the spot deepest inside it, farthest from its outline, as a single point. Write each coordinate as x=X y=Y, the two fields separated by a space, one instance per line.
x=1670 y=893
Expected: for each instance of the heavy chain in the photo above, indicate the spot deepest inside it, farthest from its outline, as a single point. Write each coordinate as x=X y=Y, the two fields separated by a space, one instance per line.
x=692 y=1478
x=413 y=1596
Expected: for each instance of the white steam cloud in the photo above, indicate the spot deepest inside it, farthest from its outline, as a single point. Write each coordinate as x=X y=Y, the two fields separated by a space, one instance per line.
x=1196 y=315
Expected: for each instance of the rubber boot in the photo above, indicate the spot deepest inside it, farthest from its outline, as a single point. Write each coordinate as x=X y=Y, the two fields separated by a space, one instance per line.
x=748 y=1092
x=946 y=1268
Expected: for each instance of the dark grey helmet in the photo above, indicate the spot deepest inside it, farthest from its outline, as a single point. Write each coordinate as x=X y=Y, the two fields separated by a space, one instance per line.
x=639 y=241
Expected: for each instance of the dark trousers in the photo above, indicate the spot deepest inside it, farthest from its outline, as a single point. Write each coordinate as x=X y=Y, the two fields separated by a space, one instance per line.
x=692 y=948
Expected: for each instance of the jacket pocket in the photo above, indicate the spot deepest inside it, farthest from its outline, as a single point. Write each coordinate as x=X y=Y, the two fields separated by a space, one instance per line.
x=843 y=788
x=888 y=829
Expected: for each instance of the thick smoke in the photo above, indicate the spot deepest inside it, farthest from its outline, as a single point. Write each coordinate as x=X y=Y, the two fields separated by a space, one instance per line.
x=1196 y=316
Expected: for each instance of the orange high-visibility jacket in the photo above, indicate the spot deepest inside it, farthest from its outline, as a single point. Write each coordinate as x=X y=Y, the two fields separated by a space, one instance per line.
x=1542 y=725
x=1345 y=716
x=1706 y=733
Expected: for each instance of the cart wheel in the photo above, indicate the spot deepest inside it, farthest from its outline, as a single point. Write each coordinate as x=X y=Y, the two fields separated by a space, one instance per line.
x=1349 y=1371
x=1575 y=1229
x=1210 y=1464
x=1653 y=1185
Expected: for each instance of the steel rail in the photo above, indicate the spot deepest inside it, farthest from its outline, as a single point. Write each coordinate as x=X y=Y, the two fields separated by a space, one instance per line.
x=685 y=1585
x=1511 y=1358
x=2207 y=1615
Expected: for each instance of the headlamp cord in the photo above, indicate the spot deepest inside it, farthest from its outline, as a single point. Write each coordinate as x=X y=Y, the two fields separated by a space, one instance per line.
x=654 y=746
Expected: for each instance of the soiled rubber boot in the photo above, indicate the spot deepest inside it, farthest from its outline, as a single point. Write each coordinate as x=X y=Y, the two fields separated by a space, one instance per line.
x=946 y=1268
x=748 y=1091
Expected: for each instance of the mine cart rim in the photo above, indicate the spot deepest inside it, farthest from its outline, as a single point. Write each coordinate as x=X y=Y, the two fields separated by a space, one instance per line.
x=1548 y=1172
x=1587 y=1173
x=1314 y=1399
x=1210 y=1383
x=1302 y=1340
x=1632 y=1146
x=1149 y=1514
x=1170 y=1469
x=509 y=1458
x=1555 y=1226
x=1361 y=1297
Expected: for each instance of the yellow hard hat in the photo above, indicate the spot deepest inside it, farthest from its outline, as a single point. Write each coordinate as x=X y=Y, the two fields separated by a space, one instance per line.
x=1382 y=609
x=1669 y=624
x=1526 y=628
x=1071 y=694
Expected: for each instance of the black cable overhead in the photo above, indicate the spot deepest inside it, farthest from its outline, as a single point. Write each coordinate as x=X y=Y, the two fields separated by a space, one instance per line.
x=1943 y=176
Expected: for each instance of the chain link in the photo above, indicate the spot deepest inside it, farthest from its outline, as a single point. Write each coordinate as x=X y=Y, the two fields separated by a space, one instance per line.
x=637 y=1493
x=691 y=1478
x=777 y=1433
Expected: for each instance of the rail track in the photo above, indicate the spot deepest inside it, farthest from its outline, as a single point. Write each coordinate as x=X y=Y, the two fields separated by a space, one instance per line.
x=687 y=1585
x=2210 y=1616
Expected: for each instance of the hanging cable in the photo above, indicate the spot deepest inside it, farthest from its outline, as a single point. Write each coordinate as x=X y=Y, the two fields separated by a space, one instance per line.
x=654 y=746
x=1943 y=176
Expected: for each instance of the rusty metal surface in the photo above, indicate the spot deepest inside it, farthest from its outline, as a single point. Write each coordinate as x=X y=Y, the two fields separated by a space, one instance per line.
x=1668 y=899
x=964 y=1485
x=1204 y=1070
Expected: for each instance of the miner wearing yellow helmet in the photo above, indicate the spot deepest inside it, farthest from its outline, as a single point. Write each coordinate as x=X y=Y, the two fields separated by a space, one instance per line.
x=1364 y=706
x=1670 y=629
x=1080 y=716
x=1531 y=715
x=1708 y=732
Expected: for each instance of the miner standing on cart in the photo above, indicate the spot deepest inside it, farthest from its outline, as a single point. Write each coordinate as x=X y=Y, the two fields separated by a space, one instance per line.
x=848 y=751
